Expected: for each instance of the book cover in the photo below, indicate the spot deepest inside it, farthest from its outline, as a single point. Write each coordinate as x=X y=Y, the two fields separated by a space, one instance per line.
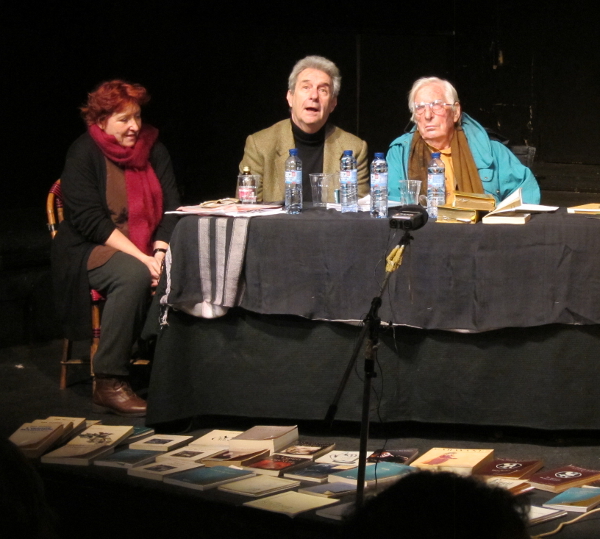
x=473 y=201
x=206 y=478
x=34 y=439
x=277 y=464
x=374 y=473
x=290 y=503
x=259 y=485
x=161 y=442
x=340 y=511
x=316 y=473
x=451 y=214
x=158 y=470
x=578 y=499
x=126 y=458
x=514 y=486
x=343 y=458
x=189 y=453
x=308 y=449
x=560 y=479
x=511 y=468
x=139 y=433
x=79 y=423
x=235 y=458
x=217 y=437
x=268 y=437
x=329 y=490
x=537 y=514
x=460 y=461
x=400 y=456
x=87 y=445
x=592 y=208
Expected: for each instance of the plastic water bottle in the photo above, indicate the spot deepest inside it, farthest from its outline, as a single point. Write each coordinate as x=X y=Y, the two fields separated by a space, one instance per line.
x=348 y=183
x=293 y=183
x=379 y=186
x=436 y=185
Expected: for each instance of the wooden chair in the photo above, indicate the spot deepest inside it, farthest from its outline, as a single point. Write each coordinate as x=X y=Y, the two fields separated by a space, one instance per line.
x=525 y=154
x=55 y=213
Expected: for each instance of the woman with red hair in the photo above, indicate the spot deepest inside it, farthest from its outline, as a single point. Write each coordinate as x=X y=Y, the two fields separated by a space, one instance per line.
x=117 y=183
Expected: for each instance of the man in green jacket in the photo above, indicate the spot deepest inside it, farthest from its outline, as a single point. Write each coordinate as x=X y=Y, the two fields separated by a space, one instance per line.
x=313 y=87
x=474 y=163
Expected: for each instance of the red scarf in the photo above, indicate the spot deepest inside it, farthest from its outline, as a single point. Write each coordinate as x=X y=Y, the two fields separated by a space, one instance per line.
x=144 y=193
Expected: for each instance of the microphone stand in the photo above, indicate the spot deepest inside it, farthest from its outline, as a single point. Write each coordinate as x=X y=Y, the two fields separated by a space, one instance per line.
x=372 y=324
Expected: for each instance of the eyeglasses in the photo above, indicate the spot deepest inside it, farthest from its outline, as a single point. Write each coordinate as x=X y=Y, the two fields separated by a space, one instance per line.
x=437 y=107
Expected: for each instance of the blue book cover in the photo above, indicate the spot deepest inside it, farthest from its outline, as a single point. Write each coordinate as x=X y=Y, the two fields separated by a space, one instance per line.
x=127 y=458
x=207 y=477
x=383 y=471
x=579 y=499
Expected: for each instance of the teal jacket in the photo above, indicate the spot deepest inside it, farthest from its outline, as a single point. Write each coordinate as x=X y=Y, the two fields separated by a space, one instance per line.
x=500 y=171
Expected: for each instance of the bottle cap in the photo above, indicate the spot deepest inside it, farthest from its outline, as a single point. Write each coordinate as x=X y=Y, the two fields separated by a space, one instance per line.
x=246 y=170
x=294 y=151
x=379 y=155
x=435 y=155
x=347 y=152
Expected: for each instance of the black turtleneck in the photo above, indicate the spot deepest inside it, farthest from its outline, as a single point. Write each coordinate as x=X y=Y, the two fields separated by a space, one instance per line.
x=310 y=150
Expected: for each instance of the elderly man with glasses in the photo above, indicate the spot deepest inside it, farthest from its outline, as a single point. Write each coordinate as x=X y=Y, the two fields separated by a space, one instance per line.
x=474 y=163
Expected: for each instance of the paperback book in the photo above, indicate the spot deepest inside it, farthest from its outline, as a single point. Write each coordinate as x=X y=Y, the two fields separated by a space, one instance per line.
x=578 y=499
x=307 y=449
x=217 y=438
x=277 y=464
x=316 y=473
x=206 y=478
x=126 y=458
x=189 y=453
x=139 y=433
x=514 y=486
x=374 y=473
x=93 y=442
x=290 y=503
x=158 y=470
x=161 y=442
x=460 y=461
x=259 y=485
x=329 y=490
x=348 y=459
x=400 y=456
x=235 y=458
x=537 y=514
x=340 y=511
x=34 y=439
x=560 y=479
x=268 y=437
x=511 y=468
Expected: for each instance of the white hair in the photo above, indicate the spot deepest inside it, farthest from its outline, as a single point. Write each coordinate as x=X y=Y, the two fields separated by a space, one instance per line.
x=320 y=63
x=450 y=94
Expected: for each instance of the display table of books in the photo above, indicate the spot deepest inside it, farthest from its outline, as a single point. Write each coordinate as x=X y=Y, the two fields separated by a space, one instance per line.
x=523 y=299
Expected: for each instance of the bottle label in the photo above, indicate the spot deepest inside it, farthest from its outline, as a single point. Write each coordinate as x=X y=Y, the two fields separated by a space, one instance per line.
x=293 y=176
x=379 y=180
x=437 y=180
x=348 y=176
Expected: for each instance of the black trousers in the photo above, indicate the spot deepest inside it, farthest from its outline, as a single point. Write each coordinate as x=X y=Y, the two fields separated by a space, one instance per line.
x=125 y=282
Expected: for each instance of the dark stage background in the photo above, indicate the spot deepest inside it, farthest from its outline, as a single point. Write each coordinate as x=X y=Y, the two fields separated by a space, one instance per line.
x=218 y=71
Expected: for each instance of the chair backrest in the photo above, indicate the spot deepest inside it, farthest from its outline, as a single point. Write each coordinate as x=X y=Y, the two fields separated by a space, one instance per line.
x=54 y=208
x=525 y=154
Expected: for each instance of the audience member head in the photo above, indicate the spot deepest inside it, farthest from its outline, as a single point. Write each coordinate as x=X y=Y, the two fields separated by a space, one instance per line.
x=313 y=86
x=435 y=109
x=432 y=505
x=23 y=508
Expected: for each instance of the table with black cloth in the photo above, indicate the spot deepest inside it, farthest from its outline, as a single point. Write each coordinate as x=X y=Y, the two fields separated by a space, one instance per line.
x=484 y=324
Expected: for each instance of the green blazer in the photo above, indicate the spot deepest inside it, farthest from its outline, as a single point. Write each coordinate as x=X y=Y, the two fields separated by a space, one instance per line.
x=266 y=151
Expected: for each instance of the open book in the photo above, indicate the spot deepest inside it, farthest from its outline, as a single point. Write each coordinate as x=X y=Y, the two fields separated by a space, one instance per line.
x=512 y=210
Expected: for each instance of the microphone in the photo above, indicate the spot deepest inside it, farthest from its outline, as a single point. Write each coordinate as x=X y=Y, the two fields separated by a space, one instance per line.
x=409 y=217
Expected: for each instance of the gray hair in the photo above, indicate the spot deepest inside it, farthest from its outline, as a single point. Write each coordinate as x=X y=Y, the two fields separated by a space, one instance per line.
x=450 y=94
x=320 y=63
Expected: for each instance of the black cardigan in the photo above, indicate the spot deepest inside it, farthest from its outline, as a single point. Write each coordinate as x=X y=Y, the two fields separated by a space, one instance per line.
x=87 y=224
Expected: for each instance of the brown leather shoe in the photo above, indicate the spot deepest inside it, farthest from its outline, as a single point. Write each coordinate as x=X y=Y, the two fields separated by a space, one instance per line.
x=114 y=395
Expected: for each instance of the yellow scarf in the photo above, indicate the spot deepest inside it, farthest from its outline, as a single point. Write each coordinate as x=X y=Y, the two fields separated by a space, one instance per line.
x=466 y=177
